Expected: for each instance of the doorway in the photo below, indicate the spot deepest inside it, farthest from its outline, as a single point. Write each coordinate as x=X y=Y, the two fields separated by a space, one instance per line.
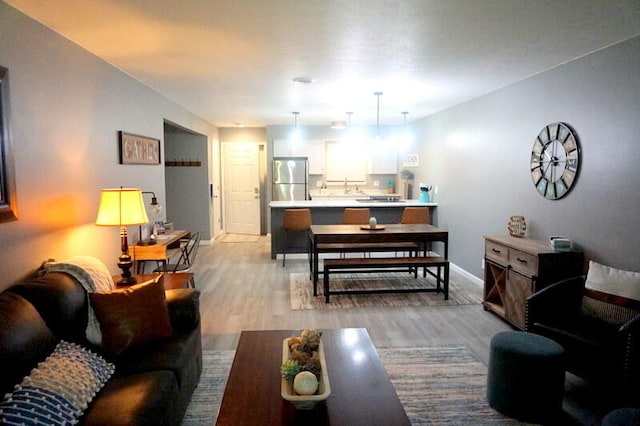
x=243 y=187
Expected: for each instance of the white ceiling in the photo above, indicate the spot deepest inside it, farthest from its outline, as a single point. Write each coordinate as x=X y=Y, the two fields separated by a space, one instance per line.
x=233 y=61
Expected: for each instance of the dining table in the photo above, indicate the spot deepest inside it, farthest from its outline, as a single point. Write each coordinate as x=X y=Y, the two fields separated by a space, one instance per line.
x=421 y=234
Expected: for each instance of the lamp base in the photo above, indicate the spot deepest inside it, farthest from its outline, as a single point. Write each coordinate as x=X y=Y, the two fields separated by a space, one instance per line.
x=125 y=263
x=148 y=242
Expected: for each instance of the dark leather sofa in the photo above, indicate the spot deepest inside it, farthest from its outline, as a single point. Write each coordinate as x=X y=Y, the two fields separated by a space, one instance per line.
x=152 y=384
x=606 y=352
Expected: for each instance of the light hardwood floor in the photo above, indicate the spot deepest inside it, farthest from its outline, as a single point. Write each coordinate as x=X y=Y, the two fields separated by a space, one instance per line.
x=242 y=288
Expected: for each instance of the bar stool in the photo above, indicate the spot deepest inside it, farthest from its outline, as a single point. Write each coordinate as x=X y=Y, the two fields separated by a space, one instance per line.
x=412 y=215
x=298 y=221
x=358 y=216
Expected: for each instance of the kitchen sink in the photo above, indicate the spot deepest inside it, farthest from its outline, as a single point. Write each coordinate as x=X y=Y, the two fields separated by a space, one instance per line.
x=380 y=199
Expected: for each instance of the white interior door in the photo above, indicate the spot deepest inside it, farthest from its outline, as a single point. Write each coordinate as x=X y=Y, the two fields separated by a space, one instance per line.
x=241 y=163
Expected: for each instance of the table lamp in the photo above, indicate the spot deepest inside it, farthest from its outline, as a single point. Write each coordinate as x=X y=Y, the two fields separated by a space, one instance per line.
x=122 y=207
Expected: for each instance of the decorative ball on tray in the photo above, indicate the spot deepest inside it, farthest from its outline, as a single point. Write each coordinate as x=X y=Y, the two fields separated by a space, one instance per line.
x=304 y=378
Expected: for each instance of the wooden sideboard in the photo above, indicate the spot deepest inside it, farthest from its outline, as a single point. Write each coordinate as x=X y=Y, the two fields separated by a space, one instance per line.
x=515 y=268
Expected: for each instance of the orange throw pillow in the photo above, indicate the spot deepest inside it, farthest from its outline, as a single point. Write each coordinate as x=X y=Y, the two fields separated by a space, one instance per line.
x=132 y=316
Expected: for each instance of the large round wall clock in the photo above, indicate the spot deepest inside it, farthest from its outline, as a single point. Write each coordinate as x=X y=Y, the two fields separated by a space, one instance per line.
x=555 y=161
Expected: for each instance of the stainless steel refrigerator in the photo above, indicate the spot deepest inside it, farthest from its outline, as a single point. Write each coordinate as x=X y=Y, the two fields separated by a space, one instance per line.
x=290 y=179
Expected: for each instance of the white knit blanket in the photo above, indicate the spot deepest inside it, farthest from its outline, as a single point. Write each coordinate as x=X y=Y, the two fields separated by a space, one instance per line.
x=94 y=277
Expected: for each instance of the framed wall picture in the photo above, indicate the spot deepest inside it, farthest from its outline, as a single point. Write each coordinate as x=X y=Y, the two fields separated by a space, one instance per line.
x=135 y=149
x=8 y=205
x=410 y=160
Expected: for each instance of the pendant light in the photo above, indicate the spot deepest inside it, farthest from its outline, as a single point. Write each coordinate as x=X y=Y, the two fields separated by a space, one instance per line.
x=406 y=138
x=378 y=94
x=295 y=135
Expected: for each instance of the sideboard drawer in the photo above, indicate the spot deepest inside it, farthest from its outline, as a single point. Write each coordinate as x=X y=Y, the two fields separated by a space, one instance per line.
x=522 y=262
x=496 y=252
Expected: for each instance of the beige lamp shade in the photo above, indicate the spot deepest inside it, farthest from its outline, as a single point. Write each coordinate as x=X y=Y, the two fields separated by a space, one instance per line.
x=121 y=206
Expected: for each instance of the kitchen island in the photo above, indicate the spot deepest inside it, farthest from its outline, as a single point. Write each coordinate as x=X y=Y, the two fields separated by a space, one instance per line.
x=329 y=212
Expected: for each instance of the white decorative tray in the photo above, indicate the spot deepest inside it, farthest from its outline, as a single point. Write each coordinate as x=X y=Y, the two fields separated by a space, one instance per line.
x=306 y=402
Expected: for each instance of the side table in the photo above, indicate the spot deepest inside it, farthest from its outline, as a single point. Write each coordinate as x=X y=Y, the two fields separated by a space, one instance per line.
x=170 y=280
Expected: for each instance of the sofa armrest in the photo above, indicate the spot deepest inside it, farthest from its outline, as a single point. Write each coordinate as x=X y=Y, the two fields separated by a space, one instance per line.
x=559 y=302
x=184 y=308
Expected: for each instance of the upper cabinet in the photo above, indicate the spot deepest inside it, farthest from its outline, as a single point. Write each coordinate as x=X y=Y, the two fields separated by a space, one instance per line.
x=312 y=149
x=345 y=162
x=382 y=162
x=339 y=160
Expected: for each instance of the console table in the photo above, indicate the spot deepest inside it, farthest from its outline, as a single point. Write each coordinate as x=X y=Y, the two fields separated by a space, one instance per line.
x=159 y=251
x=515 y=268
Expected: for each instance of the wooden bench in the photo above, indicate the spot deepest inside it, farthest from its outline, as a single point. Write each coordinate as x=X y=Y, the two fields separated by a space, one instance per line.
x=388 y=264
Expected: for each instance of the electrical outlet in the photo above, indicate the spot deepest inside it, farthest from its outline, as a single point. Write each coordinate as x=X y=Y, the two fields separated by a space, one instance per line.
x=376 y=183
x=318 y=184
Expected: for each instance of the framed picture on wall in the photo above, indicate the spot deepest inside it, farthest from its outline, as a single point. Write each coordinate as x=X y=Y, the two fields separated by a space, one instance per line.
x=136 y=149
x=8 y=205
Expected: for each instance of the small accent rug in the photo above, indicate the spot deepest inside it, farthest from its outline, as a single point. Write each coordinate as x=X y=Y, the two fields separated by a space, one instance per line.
x=436 y=385
x=461 y=291
x=206 y=399
x=240 y=238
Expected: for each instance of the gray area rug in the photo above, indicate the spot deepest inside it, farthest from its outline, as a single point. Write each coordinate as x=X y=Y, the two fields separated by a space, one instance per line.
x=461 y=291
x=206 y=399
x=436 y=385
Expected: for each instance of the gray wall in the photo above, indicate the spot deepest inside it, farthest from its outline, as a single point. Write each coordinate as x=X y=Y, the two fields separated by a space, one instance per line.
x=187 y=188
x=66 y=107
x=478 y=155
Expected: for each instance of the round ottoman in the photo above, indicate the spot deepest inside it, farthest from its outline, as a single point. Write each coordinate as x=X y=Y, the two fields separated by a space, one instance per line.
x=622 y=417
x=526 y=376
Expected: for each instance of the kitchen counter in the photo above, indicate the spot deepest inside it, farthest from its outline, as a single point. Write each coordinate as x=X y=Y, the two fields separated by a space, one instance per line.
x=335 y=202
x=329 y=211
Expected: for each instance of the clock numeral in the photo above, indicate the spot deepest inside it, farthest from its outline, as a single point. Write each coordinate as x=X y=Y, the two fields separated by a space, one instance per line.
x=570 y=144
x=551 y=191
x=568 y=177
x=563 y=133
x=542 y=187
x=553 y=131
x=536 y=175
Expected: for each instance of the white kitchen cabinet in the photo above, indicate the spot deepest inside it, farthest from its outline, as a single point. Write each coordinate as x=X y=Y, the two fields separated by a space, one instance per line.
x=345 y=162
x=382 y=162
x=312 y=149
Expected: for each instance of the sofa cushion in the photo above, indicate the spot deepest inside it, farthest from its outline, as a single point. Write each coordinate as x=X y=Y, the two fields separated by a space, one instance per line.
x=132 y=316
x=61 y=302
x=59 y=389
x=137 y=399
x=25 y=339
x=93 y=275
x=613 y=281
x=611 y=295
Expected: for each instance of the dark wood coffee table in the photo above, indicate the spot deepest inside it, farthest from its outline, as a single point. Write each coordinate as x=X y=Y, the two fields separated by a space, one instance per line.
x=361 y=392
